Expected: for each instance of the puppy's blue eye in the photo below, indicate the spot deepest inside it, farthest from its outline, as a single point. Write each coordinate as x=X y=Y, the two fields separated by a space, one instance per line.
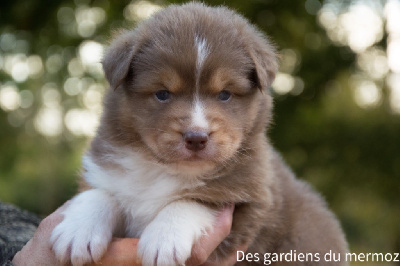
x=163 y=95
x=224 y=95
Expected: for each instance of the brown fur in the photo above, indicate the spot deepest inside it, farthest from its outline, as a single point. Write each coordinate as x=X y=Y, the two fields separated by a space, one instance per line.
x=274 y=211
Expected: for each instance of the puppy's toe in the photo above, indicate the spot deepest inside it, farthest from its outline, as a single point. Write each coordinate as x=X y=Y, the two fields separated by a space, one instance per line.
x=97 y=247
x=79 y=245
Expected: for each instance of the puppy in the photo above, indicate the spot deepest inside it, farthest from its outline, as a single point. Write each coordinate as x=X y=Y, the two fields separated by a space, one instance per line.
x=182 y=134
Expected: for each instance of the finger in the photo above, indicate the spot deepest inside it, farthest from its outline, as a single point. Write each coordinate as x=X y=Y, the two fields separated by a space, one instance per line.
x=121 y=252
x=47 y=225
x=38 y=250
x=209 y=242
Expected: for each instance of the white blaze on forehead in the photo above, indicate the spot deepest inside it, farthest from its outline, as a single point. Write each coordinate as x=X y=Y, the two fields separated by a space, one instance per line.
x=202 y=53
x=198 y=116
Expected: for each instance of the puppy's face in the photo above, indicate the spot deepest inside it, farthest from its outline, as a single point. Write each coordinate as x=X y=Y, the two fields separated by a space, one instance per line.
x=191 y=93
x=192 y=109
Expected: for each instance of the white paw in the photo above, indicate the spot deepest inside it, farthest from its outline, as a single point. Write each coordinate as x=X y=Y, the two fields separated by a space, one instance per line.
x=169 y=238
x=159 y=245
x=86 y=230
x=79 y=243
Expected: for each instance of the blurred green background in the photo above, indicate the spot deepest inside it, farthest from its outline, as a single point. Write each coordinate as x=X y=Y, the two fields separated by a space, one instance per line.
x=337 y=98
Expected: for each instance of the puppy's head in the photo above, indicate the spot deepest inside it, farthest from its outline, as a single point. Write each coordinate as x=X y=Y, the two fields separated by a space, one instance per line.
x=189 y=87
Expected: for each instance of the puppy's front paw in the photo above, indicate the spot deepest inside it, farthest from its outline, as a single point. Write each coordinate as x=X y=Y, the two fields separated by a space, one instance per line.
x=84 y=234
x=160 y=245
x=79 y=243
x=169 y=238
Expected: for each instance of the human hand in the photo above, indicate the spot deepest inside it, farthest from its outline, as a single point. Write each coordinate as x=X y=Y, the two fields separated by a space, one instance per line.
x=208 y=243
x=122 y=251
x=38 y=250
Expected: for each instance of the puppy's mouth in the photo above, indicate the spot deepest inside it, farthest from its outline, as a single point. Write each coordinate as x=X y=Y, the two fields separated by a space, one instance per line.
x=196 y=157
x=193 y=158
x=197 y=150
x=178 y=153
x=188 y=155
x=192 y=154
x=182 y=155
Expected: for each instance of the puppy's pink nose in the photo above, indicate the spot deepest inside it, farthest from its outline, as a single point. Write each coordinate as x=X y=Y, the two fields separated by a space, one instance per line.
x=195 y=141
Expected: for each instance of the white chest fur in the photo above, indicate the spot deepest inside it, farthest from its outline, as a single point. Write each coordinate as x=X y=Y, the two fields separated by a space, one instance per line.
x=140 y=187
x=143 y=194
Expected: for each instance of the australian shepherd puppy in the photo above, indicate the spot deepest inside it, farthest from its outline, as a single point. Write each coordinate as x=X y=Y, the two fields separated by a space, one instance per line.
x=182 y=134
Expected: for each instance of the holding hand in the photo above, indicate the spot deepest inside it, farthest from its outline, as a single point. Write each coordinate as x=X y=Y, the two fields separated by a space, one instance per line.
x=122 y=251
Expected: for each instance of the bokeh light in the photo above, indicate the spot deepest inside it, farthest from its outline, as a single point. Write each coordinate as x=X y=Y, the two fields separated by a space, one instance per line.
x=9 y=97
x=139 y=10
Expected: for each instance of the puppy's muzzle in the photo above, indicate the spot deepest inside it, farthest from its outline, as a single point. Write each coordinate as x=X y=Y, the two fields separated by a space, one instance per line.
x=195 y=141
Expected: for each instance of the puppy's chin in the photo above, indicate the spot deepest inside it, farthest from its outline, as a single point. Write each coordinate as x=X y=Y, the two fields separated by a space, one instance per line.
x=193 y=168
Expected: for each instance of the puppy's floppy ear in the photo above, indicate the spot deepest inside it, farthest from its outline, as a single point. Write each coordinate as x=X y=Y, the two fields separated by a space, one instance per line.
x=118 y=58
x=265 y=61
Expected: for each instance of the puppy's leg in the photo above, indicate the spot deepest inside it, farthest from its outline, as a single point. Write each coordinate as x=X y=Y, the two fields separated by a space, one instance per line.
x=84 y=234
x=169 y=238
